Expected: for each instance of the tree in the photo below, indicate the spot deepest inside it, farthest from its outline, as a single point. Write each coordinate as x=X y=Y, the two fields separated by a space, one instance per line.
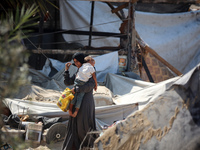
x=13 y=55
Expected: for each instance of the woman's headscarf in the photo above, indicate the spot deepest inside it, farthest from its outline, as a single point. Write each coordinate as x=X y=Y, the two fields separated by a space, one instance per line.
x=79 y=56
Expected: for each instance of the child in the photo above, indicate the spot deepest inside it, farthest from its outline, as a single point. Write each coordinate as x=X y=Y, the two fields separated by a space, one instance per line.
x=91 y=61
x=85 y=72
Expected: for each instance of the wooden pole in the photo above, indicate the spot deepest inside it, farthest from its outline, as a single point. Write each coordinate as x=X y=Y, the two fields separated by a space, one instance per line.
x=155 y=54
x=120 y=8
x=129 y=37
x=111 y=6
x=70 y=51
x=134 y=64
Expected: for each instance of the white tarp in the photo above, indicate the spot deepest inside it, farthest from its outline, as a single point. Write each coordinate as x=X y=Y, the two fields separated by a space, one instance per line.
x=106 y=114
x=107 y=63
x=75 y=15
x=150 y=92
x=144 y=96
x=174 y=36
x=121 y=85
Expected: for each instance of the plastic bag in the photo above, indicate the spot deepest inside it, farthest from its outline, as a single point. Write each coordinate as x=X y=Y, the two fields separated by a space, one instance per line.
x=65 y=99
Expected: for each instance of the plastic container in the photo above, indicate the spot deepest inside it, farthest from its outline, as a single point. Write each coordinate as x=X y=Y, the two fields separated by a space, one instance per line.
x=122 y=63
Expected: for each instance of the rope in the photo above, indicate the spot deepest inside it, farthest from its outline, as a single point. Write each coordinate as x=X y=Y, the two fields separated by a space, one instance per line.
x=78 y=40
x=79 y=28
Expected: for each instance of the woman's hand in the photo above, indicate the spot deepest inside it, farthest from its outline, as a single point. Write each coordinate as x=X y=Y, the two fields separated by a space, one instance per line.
x=67 y=65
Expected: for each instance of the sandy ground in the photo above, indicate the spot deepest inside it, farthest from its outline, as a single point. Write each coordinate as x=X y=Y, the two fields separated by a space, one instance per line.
x=44 y=146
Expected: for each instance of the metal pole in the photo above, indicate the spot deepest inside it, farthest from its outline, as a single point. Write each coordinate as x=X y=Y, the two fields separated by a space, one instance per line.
x=40 y=39
x=91 y=24
x=147 y=70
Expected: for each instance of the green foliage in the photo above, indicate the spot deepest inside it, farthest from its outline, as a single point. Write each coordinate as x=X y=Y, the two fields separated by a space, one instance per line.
x=28 y=3
x=13 y=55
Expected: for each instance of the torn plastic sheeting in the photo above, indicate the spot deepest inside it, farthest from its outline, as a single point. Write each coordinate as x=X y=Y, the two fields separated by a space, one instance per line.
x=106 y=114
x=114 y=83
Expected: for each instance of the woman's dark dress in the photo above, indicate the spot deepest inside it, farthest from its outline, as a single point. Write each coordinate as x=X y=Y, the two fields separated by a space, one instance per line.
x=85 y=119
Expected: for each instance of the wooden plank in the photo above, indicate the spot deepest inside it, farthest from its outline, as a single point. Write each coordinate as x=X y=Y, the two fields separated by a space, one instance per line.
x=134 y=64
x=150 y=50
x=105 y=0
x=153 y=1
x=119 y=8
x=79 y=32
x=71 y=52
x=155 y=54
x=111 y=6
x=170 y=1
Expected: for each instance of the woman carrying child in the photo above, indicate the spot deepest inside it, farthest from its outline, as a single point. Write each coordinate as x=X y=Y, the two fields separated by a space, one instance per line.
x=83 y=120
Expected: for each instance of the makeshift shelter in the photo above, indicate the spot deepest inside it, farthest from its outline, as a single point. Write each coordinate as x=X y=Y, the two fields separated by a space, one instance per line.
x=142 y=110
x=136 y=95
x=170 y=35
x=41 y=98
x=82 y=24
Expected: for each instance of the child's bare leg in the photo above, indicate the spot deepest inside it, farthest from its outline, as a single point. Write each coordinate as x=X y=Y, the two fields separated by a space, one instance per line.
x=75 y=113
x=70 y=110
x=95 y=79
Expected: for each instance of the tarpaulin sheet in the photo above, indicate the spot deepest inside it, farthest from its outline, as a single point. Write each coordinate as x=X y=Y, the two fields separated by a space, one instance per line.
x=174 y=36
x=145 y=92
x=145 y=95
x=121 y=85
x=75 y=15
x=106 y=114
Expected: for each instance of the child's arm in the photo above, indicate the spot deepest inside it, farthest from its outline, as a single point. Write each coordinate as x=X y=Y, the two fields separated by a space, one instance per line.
x=95 y=79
